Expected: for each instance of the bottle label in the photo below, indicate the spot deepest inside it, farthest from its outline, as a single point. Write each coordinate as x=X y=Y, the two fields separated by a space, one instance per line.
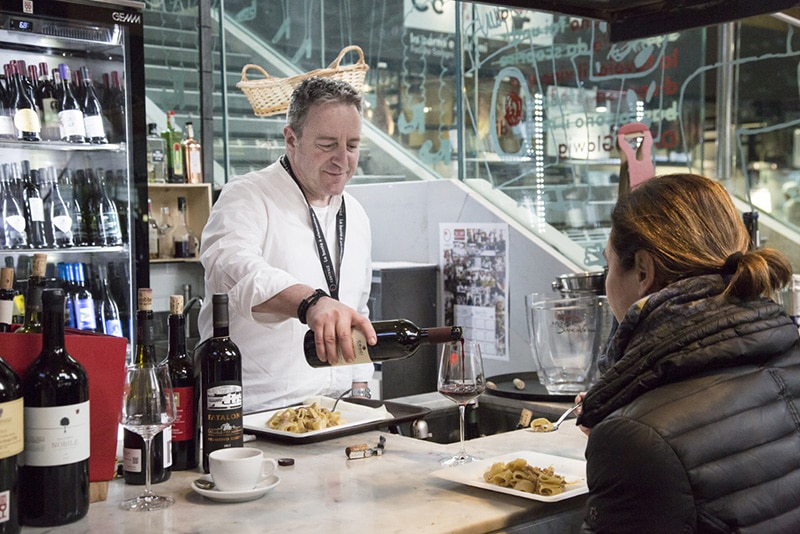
x=194 y=167
x=7 y=309
x=70 y=122
x=7 y=126
x=114 y=328
x=16 y=222
x=56 y=435
x=183 y=427
x=86 y=318
x=62 y=223
x=167 y=450
x=360 y=348
x=36 y=209
x=177 y=162
x=11 y=426
x=94 y=126
x=50 y=113
x=132 y=460
x=27 y=120
x=5 y=506
x=223 y=416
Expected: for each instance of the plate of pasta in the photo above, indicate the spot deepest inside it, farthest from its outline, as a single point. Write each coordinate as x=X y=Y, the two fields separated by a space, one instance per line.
x=312 y=420
x=527 y=474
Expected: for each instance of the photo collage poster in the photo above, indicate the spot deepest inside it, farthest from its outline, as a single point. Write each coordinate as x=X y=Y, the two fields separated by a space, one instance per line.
x=473 y=260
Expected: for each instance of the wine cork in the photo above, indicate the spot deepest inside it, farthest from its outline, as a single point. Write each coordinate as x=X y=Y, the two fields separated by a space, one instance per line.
x=39 y=265
x=6 y=278
x=176 y=304
x=145 y=299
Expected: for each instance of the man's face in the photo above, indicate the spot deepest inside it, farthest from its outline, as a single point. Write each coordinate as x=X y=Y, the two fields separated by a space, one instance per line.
x=326 y=156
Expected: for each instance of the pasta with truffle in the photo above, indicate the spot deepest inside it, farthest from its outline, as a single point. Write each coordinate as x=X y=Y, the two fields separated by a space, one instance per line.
x=519 y=475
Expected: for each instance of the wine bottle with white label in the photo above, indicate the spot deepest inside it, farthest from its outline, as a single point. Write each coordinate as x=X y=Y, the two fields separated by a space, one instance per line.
x=54 y=478
x=397 y=339
x=221 y=385
x=7 y=295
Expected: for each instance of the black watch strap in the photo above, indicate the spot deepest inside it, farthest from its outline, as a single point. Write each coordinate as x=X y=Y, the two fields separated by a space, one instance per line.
x=307 y=302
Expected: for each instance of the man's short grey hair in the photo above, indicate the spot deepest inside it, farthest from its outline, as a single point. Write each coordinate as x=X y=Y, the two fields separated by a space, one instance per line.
x=315 y=90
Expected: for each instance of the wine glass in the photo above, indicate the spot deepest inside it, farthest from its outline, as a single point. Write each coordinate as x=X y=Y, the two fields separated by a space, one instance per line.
x=148 y=407
x=461 y=380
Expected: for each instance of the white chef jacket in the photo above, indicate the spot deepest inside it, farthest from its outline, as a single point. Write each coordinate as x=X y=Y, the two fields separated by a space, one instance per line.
x=259 y=241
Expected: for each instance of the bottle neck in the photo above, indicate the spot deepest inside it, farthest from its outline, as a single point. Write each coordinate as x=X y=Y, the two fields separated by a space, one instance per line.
x=145 y=335
x=52 y=330
x=442 y=334
x=177 y=335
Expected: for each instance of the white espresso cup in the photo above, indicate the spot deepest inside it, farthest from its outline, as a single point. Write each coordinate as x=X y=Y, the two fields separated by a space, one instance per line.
x=239 y=468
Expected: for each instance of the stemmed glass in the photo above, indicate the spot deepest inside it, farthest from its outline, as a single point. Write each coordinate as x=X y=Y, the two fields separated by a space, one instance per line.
x=148 y=407
x=461 y=380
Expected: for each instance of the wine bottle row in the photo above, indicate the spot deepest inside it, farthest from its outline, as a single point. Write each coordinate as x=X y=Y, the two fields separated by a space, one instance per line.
x=60 y=105
x=61 y=208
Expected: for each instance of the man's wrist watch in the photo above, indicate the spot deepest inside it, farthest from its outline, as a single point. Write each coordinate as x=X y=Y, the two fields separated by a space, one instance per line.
x=307 y=302
x=363 y=392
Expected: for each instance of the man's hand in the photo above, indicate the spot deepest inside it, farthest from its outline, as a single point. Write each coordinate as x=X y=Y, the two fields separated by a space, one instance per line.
x=332 y=323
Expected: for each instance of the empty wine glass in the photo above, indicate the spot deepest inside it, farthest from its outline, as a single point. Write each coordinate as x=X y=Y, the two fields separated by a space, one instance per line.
x=148 y=407
x=461 y=380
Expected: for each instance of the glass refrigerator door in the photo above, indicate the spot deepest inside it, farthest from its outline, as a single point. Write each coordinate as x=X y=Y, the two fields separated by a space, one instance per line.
x=71 y=150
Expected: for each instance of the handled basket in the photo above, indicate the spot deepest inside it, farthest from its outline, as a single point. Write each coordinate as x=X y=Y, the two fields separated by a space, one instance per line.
x=270 y=96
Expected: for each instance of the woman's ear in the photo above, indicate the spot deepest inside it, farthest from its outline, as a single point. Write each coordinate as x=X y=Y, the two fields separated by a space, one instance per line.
x=645 y=273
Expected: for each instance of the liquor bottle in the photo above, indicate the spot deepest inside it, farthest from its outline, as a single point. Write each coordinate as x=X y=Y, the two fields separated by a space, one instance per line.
x=114 y=108
x=92 y=111
x=70 y=115
x=12 y=406
x=107 y=308
x=185 y=433
x=134 y=457
x=59 y=210
x=108 y=225
x=152 y=232
x=85 y=318
x=47 y=100
x=397 y=339
x=172 y=138
x=220 y=385
x=54 y=479
x=14 y=234
x=32 y=324
x=33 y=206
x=156 y=155
x=26 y=119
x=192 y=157
x=65 y=276
x=7 y=295
x=184 y=242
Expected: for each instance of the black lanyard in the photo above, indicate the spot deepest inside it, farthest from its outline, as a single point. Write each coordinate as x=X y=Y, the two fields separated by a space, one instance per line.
x=319 y=236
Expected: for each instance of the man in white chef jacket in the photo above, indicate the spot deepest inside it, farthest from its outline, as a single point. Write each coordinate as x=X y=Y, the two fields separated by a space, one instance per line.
x=288 y=246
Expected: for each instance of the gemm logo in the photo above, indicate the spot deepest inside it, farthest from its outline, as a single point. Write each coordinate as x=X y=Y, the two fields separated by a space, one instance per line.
x=128 y=18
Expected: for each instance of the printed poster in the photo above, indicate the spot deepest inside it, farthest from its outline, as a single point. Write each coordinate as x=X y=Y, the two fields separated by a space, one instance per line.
x=473 y=260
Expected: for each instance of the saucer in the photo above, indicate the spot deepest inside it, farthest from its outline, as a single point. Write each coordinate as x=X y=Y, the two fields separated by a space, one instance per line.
x=237 y=496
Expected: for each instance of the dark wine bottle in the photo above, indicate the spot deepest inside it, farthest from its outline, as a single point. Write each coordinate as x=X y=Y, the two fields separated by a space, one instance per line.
x=14 y=234
x=11 y=437
x=54 y=479
x=47 y=100
x=221 y=385
x=33 y=206
x=134 y=457
x=397 y=339
x=65 y=280
x=33 y=298
x=7 y=294
x=114 y=108
x=107 y=308
x=59 y=209
x=26 y=117
x=70 y=115
x=109 y=228
x=92 y=111
x=185 y=433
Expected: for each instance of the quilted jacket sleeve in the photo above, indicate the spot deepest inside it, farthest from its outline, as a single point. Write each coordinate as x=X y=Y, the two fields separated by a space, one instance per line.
x=636 y=482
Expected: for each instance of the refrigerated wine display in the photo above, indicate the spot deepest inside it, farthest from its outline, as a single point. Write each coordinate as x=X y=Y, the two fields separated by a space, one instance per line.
x=73 y=167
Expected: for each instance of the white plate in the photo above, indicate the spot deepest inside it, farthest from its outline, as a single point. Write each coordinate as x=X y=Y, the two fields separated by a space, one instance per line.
x=471 y=474
x=237 y=496
x=257 y=422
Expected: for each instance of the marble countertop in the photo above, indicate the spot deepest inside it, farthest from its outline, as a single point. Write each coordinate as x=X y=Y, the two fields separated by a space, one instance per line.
x=326 y=492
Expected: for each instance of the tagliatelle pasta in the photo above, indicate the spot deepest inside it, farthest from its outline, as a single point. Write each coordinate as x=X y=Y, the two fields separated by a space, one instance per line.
x=517 y=474
x=304 y=419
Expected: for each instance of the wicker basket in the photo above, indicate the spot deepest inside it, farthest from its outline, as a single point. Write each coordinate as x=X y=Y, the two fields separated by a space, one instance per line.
x=270 y=96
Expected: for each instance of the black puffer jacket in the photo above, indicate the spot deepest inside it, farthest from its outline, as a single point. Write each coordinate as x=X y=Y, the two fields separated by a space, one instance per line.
x=696 y=427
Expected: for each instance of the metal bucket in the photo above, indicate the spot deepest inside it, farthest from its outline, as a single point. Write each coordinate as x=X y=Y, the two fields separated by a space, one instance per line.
x=581 y=284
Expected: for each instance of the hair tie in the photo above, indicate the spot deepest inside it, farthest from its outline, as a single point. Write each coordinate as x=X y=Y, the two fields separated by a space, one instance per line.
x=731 y=263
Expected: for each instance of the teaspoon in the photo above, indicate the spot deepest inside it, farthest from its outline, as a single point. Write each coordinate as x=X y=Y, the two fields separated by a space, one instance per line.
x=204 y=483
